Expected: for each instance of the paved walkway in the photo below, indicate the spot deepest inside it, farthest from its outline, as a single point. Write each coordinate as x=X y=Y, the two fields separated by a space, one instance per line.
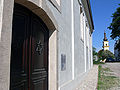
x=115 y=67
x=90 y=81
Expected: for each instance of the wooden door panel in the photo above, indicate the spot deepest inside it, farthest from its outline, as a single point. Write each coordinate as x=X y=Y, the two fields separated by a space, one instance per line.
x=29 y=68
x=39 y=68
x=18 y=50
x=40 y=85
x=37 y=47
x=20 y=87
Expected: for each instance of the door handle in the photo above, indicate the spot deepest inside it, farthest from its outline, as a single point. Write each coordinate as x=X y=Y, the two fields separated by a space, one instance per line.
x=39 y=47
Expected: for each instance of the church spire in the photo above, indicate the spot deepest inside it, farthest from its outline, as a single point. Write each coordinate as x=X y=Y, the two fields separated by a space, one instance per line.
x=105 y=42
x=105 y=38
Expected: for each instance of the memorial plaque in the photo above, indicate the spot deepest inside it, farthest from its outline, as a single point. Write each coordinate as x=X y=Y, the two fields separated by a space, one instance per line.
x=63 y=62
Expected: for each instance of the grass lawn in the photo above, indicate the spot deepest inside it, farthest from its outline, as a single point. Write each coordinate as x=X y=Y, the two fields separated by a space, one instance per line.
x=106 y=79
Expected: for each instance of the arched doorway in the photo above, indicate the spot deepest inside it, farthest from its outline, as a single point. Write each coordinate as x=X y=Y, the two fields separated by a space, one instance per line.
x=29 y=51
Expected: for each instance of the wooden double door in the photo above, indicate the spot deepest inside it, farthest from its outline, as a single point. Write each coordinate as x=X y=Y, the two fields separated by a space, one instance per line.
x=29 y=51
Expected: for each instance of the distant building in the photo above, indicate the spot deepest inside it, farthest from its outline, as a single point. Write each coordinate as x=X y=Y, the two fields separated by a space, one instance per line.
x=105 y=43
x=116 y=52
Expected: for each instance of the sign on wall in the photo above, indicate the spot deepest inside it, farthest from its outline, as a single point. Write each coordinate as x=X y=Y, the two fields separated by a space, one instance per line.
x=63 y=62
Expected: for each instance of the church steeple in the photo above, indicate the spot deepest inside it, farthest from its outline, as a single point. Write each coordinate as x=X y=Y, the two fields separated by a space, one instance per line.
x=105 y=38
x=105 y=42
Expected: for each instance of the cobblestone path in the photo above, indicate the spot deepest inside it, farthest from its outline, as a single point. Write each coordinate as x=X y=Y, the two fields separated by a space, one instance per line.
x=90 y=82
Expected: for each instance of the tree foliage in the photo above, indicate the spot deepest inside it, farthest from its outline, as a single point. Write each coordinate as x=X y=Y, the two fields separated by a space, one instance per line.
x=94 y=54
x=105 y=54
x=94 y=51
x=115 y=26
x=100 y=54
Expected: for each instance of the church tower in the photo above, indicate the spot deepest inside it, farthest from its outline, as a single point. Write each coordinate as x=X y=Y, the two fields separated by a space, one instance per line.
x=105 y=42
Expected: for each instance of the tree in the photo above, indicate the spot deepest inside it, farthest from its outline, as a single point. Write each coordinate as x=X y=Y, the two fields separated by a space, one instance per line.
x=115 y=26
x=94 y=51
x=94 y=54
x=100 y=53
x=105 y=54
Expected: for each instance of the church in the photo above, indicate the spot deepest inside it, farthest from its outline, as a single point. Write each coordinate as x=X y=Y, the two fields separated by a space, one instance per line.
x=45 y=44
x=105 y=42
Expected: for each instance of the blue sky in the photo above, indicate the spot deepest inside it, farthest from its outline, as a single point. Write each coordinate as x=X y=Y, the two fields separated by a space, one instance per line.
x=102 y=11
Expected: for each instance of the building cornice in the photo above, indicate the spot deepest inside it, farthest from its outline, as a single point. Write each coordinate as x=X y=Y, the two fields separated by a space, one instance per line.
x=105 y=41
x=87 y=8
x=106 y=46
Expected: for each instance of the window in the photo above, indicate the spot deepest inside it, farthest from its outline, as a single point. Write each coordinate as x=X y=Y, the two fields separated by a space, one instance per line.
x=82 y=21
x=87 y=36
x=82 y=25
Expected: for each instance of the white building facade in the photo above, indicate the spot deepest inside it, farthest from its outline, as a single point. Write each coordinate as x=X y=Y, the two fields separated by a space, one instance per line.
x=44 y=44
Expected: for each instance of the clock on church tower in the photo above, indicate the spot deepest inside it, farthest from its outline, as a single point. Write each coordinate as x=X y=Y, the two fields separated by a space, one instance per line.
x=105 y=43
